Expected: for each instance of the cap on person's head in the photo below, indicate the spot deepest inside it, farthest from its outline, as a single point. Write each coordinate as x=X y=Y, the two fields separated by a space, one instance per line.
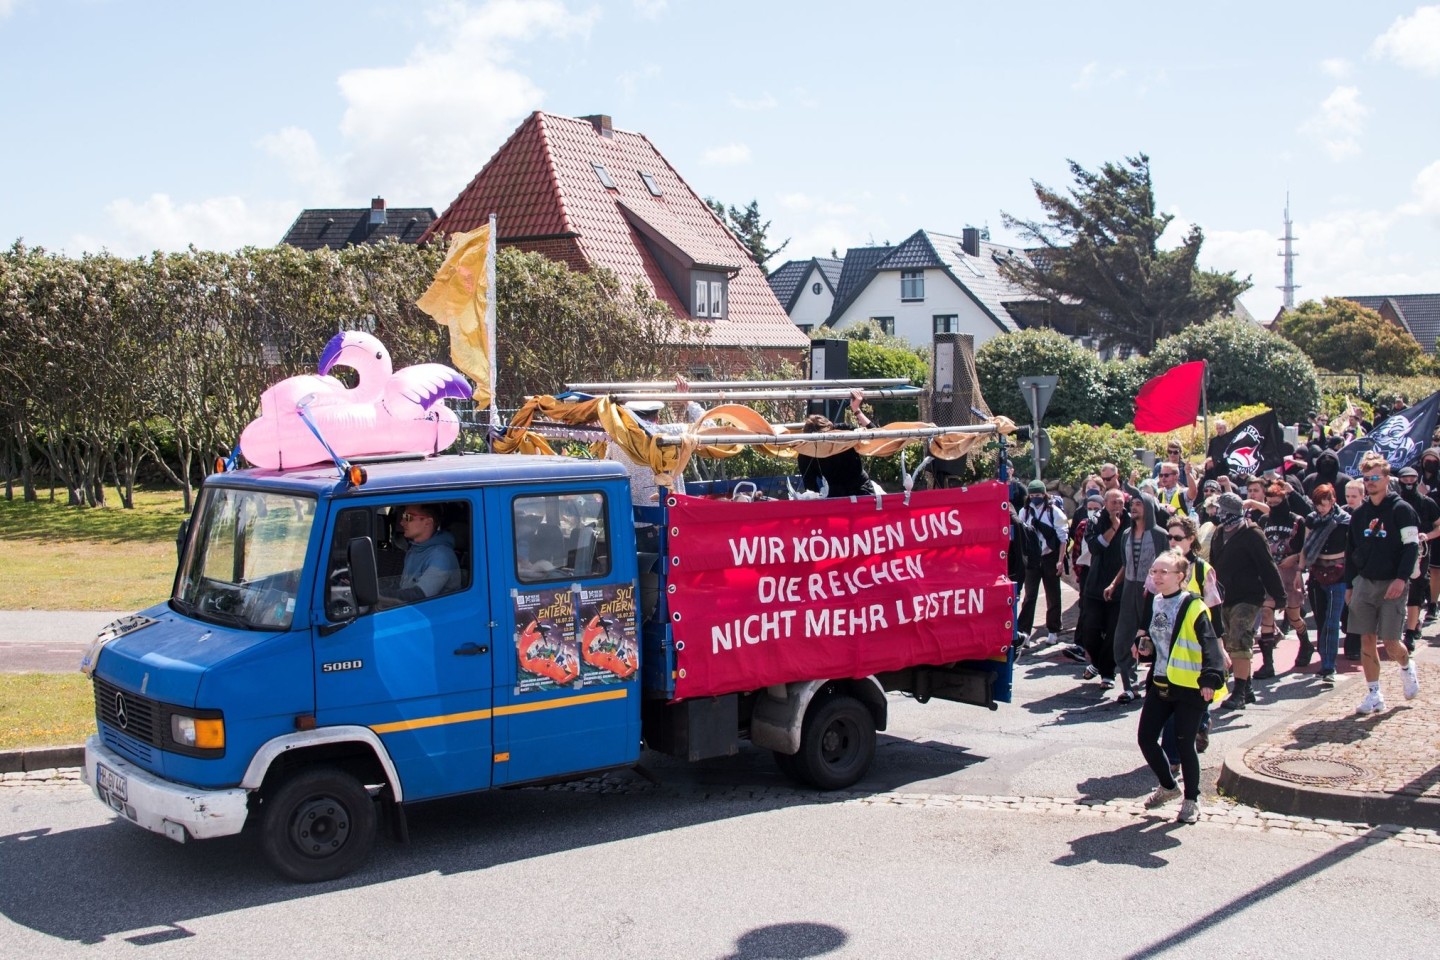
x=1094 y=498
x=1211 y=485
x=1229 y=506
x=1409 y=473
x=644 y=408
x=1036 y=486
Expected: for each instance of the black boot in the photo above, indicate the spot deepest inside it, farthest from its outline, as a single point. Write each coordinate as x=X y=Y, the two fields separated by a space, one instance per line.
x=1249 y=691
x=1307 y=651
x=1267 y=654
x=1236 y=700
x=1410 y=637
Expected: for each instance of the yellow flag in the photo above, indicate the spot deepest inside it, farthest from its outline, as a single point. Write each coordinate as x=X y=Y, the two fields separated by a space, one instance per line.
x=460 y=297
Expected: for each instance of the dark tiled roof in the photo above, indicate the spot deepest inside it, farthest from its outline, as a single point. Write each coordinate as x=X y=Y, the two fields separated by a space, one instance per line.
x=980 y=276
x=785 y=280
x=914 y=253
x=336 y=228
x=831 y=269
x=542 y=183
x=1419 y=312
x=858 y=268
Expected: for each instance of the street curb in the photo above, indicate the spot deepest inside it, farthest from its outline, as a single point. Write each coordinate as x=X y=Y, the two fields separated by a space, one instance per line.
x=31 y=759
x=1240 y=782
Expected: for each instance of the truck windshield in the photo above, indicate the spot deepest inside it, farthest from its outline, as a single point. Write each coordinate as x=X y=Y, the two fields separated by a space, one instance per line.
x=244 y=557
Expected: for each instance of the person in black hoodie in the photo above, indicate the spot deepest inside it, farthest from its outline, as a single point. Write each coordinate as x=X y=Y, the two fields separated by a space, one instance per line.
x=1247 y=574
x=1140 y=545
x=1327 y=470
x=1430 y=487
x=1284 y=533
x=1096 y=629
x=1382 y=554
x=1429 y=514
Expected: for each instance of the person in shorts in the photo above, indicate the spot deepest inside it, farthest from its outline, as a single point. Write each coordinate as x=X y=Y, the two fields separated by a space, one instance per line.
x=1246 y=574
x=1382 y=556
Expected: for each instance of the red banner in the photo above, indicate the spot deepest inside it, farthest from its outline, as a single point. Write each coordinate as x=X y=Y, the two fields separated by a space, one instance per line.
x=776 y=592
x=1171 y=400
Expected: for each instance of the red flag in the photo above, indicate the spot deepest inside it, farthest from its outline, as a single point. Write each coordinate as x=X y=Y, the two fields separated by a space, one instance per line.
x=1171 y=400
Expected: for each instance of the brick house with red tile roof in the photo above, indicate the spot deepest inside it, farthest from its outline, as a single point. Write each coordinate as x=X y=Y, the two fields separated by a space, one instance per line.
x=583 y=193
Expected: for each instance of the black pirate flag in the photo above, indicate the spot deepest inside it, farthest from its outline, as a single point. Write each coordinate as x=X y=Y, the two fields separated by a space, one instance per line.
x=1250 y=447
x=1401 y=437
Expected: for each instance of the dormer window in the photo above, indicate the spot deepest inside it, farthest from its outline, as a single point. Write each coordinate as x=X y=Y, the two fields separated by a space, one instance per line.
x=650 y=183
x=603 y=176
x=702 y=298
x=709 y=295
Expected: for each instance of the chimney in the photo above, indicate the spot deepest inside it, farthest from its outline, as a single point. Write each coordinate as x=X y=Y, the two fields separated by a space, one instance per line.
x=601 y=123
x=970 y=241
x=377 y=212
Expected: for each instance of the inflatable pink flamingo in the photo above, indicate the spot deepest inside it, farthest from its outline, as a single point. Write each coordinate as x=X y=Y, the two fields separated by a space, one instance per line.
x=384 y=413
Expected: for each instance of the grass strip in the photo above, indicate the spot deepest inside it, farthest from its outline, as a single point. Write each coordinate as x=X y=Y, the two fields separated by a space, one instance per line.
x=45 y=710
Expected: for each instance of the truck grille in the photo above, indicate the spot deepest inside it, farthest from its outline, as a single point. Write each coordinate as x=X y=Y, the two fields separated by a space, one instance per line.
x=138 y=718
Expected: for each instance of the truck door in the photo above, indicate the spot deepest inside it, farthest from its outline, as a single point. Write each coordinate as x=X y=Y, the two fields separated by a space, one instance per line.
x=567 y=667
x=416 y=669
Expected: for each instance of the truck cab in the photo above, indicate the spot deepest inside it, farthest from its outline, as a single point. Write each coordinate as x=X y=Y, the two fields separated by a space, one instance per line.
x=299 y=671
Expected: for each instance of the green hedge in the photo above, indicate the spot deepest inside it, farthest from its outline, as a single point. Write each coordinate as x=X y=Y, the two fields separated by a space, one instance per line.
x=1247 y=365
x=1002 y=360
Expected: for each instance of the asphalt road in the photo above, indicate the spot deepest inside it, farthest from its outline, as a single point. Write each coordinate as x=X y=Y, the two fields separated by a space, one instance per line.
x=662 y=873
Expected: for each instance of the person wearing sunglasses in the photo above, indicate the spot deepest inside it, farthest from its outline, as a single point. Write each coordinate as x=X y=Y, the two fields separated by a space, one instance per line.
x=1383 y=553
x=1429 y=514
x=1182 y=534
x=431 y=567
x=1327 y=530
x=1188 y=667
x=1284 y=531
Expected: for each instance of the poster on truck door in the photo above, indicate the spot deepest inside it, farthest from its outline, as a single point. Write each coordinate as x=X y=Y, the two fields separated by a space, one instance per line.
x=780 y=591
x=549 y=657
x=609 y=652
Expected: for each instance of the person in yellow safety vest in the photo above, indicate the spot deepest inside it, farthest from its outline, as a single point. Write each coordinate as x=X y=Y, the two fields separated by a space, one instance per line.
x=1168 y=491
x=1188 y=666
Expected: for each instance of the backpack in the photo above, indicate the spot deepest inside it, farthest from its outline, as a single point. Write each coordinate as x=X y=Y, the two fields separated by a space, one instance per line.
x=1027 y=541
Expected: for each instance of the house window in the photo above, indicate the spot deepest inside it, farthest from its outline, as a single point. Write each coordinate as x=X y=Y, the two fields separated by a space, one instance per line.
x=701 y=372
x=717 y=299
x=947 y=323
x=886 y=324
x=702 y=298
x=650 y=183
x=604 y=176
x=805 y=328
x=912 y=284
x=815 y=288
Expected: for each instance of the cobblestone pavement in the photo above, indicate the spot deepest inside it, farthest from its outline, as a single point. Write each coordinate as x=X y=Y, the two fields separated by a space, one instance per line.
x=1330 y=746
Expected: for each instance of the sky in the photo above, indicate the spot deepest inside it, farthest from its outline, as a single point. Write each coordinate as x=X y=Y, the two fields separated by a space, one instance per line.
x=137 y=125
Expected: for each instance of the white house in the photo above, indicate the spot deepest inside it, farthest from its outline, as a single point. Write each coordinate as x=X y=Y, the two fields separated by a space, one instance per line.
x=806 y=289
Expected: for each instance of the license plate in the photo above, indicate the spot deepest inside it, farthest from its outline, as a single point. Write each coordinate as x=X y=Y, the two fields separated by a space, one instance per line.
x=112 y=786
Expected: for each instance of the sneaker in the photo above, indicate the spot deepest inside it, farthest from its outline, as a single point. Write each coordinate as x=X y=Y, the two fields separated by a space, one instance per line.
x=1161 y=796
x=1202 y=741
x=1373 y=703
x=1090 y=673
x=1077 y=653
x=1189 y=812
x=1409 y=682
x=1327 y=677
x=1107 y=684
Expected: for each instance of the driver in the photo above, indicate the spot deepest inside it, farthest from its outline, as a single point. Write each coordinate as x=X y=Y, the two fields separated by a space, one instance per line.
x=431 y=567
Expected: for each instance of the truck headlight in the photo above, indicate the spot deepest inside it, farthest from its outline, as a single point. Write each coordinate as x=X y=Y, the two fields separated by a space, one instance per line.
x=203 y=734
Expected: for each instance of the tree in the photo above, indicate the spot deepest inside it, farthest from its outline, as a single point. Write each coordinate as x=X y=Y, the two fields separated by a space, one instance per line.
x=748 y=229
x=1342 y=335
x=1002 y=360
x=1100 y=261
x=1248 y=365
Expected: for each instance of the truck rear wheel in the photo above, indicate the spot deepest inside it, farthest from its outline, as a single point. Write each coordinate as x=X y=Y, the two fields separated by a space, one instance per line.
x=837 y=743
x=319 y=825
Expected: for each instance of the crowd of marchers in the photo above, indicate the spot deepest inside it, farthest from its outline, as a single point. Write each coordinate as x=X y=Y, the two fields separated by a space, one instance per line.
x=1192 y=570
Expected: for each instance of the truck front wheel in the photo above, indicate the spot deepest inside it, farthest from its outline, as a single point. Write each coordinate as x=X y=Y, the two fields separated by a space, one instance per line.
x=319 y=825
x=837 y=743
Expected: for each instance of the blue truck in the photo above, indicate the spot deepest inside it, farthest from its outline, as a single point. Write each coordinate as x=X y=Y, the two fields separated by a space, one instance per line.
x=286 y=687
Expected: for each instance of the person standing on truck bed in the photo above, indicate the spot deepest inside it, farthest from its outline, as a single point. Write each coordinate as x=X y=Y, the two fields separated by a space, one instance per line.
x=643 y=489
x=844 y=473
x=431 y=567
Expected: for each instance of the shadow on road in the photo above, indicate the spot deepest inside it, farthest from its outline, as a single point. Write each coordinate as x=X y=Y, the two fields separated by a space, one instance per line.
x=1135 y=845
x=788 y=941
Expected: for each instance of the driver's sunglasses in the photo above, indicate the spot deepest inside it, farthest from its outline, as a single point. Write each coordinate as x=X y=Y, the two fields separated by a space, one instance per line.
x=408 y=517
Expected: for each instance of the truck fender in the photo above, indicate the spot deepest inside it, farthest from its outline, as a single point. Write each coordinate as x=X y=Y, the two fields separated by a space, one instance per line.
x=779 y=713
x=271 y=750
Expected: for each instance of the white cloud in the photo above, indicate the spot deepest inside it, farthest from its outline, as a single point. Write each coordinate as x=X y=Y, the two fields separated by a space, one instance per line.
x=1093 y=75
x=1413 y=41
x=1337 y=67
x=1339 y=122
x=763 y=102
x=217 y=223
x=804 y=203
x=7 y=7
x=298 y=152
x=1426 y=189
x=650 y=9
x=630 y=81
x=731 y=154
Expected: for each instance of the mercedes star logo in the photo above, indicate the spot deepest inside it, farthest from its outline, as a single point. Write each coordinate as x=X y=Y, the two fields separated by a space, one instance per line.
x=121 y=717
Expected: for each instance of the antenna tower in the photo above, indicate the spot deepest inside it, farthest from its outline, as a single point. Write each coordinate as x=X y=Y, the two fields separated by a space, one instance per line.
x=1289 y=254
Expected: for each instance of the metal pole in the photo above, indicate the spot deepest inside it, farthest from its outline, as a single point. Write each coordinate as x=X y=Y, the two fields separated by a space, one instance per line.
x=1035 y=429
x=736 y=384
x=792 y=440
x=1205 y=400
x=894 y=393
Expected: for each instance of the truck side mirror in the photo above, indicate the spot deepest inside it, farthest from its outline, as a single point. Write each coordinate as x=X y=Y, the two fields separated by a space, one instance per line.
x=364 y=578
